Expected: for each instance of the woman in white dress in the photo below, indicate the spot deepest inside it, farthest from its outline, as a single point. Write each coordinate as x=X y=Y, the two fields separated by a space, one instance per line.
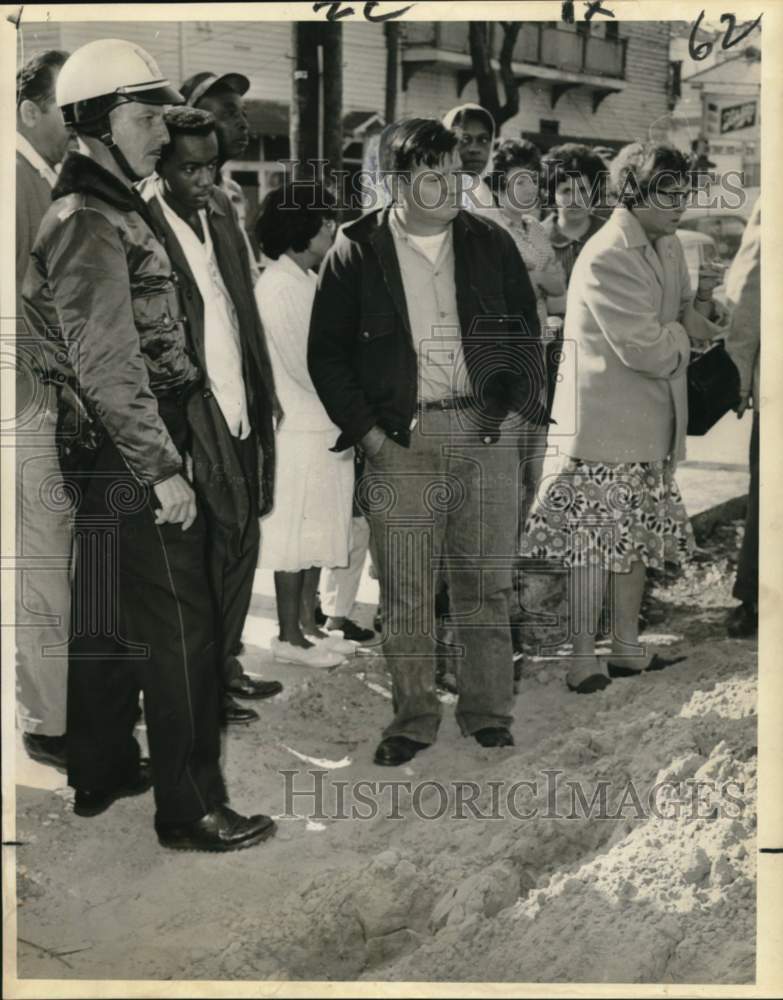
x=309 y=525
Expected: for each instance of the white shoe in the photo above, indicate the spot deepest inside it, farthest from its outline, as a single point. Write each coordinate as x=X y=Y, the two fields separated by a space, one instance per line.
x=313 y=656
x=335 y=642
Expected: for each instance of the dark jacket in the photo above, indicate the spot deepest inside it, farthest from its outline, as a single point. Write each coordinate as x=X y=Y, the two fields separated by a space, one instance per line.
x=100 y=283
x=216 y=468
x=361 y=354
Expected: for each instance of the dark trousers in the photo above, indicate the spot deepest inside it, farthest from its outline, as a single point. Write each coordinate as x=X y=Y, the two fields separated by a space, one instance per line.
x=143 y=619
x=746 y=585
x=232 y=557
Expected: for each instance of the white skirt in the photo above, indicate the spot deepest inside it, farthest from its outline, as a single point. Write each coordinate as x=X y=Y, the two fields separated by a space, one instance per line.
x=310 y=523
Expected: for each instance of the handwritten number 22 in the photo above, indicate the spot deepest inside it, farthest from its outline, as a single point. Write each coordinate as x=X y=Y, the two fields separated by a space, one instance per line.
x=700 y=50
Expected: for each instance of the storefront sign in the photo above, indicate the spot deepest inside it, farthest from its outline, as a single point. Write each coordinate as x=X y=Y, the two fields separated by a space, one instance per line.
x=737 y=116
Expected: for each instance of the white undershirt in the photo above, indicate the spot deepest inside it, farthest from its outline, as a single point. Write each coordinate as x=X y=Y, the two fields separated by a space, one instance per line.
x=429 y=245
x=221 y=327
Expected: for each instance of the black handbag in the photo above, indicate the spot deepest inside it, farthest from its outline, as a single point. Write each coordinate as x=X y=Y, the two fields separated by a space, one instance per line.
x=713 y=388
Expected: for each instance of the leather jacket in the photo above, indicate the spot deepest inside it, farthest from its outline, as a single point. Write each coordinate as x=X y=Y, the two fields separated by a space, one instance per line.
x=99 y=292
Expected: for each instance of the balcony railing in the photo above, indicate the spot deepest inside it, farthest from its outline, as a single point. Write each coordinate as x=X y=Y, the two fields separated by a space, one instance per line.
x=538 y=44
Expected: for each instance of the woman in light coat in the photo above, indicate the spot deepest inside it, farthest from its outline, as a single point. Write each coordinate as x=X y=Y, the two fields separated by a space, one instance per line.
x=612 y=508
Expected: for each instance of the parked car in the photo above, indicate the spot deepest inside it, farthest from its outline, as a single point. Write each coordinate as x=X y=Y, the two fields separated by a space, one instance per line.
x=724 y=225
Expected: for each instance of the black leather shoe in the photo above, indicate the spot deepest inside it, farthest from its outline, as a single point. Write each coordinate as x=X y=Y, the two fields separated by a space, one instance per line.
x=656 y=663
x=743 y=622
x=494 y=736
x=234 y=714
x=395 y=750
x=249 y=687
x=46 y=749
x=351 y=631
x=93 y=803
x=220 y=830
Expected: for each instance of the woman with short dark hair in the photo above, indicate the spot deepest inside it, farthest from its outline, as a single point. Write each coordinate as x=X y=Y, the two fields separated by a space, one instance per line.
x=514 y=180
x=576 y=184
x=309 y=526
x=612 y=508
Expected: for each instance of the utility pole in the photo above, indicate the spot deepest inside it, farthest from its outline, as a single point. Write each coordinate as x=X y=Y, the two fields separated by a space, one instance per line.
x=332 y=61
x=304 y=97
x=391 y=31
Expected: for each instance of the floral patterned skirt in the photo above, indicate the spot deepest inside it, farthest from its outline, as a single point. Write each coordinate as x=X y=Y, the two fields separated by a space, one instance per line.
x=609 y=515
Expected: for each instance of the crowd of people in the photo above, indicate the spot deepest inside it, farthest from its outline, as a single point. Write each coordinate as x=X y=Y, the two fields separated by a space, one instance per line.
x=388 y=386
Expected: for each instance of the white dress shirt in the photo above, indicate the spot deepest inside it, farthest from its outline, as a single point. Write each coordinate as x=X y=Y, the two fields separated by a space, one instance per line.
x=221 y=327
x=36 y=161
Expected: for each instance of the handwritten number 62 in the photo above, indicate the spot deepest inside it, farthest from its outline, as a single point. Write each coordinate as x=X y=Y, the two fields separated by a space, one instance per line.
x=700 y=50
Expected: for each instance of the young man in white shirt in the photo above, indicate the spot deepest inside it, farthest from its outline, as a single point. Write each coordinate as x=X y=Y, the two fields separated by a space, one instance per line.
x=232 y=418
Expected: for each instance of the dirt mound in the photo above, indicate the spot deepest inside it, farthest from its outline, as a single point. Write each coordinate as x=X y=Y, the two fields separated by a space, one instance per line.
x=628 y=847
x=613 y=843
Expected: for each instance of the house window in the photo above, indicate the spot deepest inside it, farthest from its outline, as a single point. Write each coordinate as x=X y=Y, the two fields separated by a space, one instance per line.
x=612 y=29
x=547 y=126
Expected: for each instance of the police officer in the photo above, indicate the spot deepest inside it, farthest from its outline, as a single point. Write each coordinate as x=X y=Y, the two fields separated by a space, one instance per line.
x=143 y=617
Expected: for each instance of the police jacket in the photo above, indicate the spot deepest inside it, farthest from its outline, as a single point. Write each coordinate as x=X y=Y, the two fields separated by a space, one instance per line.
x=100 y=288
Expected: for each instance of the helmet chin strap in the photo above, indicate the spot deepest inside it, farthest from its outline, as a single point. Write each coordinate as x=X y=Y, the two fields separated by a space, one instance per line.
x=108 y=140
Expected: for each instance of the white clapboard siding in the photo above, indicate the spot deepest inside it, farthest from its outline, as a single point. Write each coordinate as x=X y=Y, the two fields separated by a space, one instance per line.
x=160 y=38
x=627 y=115
x=364 y=67
x=262 y=50
x=259 y=49
x=430 y=94
x=33 y=39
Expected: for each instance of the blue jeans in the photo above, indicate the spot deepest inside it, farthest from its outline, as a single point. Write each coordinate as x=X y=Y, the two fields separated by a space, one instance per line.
x=446 y=506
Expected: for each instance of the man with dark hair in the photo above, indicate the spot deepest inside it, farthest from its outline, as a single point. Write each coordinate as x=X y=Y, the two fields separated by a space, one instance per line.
x=100 y=285
x=222 y=97
x=424 y=341
x=232 y=417
x=43 y=523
